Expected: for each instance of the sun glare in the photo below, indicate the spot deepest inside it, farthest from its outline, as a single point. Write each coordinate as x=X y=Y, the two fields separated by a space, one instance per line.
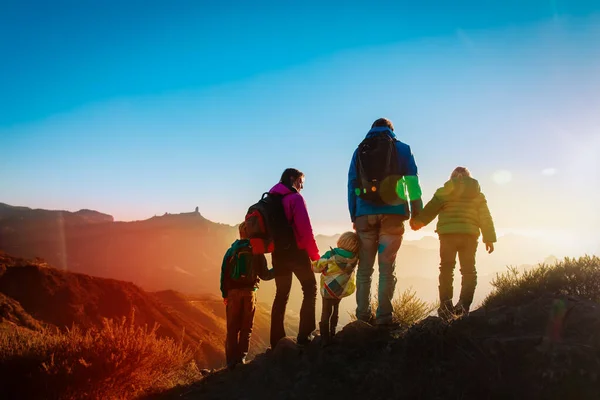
x=502 y=177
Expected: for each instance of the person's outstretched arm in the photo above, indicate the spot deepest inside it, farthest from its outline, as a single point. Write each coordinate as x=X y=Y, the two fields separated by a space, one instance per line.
x=264 y=272
x=413 y=188
x=320 y=265
x=430 y=211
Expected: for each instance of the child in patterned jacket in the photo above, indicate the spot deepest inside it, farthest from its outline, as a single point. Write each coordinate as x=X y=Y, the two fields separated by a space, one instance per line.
x=337 y=281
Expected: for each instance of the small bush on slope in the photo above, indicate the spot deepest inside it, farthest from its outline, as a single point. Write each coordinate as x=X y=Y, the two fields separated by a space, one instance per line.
x=118 y=360
x=407 y=310
x=572 y=277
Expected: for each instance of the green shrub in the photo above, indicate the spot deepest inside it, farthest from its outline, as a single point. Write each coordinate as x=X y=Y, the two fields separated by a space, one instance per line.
x=118 y=360
x=572 y=277
x=408 y=309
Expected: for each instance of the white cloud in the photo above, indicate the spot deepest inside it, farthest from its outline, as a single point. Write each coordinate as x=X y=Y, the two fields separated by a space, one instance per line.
x=549 y=171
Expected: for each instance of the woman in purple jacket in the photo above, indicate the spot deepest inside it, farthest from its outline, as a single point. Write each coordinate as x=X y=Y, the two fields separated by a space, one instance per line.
x=295 y=260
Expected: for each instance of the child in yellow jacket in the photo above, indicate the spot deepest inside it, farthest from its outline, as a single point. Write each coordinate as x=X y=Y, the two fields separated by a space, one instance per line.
x=337 y=281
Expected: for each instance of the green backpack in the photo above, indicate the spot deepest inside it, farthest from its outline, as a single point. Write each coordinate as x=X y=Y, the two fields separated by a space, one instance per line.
x=240 y=264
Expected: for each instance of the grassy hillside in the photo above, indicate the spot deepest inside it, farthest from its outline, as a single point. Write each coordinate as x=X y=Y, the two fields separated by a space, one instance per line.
x=570 y=277
x=69 y=335
x=120 y=359
x=536 y=337
x=62 y=299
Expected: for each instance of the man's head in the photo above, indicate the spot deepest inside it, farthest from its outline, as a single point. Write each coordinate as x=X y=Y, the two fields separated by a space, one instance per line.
x=383 y=122
x=242 y=230
x=293 y=178
x=348 y=241
x=460 y=172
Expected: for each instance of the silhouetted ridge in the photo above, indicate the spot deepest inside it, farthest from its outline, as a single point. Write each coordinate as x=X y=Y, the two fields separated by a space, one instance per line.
x=83 y=216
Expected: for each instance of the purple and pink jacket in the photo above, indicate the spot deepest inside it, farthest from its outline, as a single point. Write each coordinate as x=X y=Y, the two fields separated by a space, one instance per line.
x=297 y=215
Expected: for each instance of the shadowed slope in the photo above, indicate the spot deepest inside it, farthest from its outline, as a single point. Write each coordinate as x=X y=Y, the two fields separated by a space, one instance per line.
x=541 y=344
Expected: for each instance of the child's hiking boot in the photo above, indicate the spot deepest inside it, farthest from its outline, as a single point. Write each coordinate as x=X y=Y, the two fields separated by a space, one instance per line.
x=325 y=334
x=461 y=309
x=303 y=341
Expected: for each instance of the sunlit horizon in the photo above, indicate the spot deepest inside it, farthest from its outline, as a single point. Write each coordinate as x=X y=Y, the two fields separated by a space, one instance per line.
x=559 y=242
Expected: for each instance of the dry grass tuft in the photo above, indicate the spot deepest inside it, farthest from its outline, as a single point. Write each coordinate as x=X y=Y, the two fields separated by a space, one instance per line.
x=117 y=360
x=578 y=277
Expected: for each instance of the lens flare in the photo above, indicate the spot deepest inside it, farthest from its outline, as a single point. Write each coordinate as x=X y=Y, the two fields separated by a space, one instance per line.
x=502 y=177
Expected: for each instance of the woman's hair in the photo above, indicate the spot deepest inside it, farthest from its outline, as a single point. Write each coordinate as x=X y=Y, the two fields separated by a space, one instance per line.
x=460 y=172
x=348 y=241
x=242 y=230
x=384 y=122
x=290 y=175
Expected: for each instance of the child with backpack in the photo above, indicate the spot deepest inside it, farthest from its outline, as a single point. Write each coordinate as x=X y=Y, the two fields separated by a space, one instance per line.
x=241 y=273
x=463 y=213
x=337 y=281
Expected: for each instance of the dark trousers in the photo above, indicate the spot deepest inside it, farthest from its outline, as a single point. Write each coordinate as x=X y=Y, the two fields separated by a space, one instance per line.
x=285 y=265
x=466 y=247
x=241 y=306
x=330 y=313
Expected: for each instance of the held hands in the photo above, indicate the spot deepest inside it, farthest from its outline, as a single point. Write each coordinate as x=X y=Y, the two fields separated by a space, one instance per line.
x=415 y=224
x=489 y=247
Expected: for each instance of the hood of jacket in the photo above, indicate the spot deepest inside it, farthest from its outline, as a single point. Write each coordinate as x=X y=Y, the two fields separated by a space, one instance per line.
x=344 y=258
x=459 y=188
x=282 y=189
x=379 y=129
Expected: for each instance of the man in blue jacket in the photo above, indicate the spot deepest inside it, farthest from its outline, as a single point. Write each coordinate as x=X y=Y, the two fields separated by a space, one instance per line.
x=383 y=191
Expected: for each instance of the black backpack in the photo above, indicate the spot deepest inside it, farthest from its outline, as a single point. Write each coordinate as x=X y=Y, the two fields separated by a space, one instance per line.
x=267 y=226
x=378 y=170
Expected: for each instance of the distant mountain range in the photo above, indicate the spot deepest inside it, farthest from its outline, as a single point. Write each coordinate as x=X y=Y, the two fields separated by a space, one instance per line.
x=181 y=252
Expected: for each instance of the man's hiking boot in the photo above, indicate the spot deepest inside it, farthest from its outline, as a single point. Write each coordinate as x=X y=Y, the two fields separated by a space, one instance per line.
x=370 y=320
x=388 y=325
x=446 y=310
x=461 y=309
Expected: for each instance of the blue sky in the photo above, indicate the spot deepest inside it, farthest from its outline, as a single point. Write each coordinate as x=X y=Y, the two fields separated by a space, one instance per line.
x=139 y=108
